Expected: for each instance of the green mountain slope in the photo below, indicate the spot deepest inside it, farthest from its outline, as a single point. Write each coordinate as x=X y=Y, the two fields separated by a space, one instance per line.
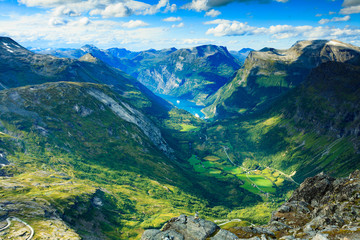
x=20 y=67
x=269 y=73
x=311 y=129
x=102 y=160
x=86 y=151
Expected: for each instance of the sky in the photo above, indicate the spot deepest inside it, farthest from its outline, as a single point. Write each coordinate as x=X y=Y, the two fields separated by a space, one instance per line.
x=144 y=24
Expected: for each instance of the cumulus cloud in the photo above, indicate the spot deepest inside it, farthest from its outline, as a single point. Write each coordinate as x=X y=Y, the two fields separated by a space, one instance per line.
x=65 y=11
x=195 y=41
x=229 y=28
x=57 y=21
x=104 y=8
x=172 y=19
x=335 y=19
x=31 y=29
x=350 y=7
x=170 y=8
x=114 y=10
x=235 y=28
x=212 y=13
x=180 y=25
x=135 y=24
x=205 y=5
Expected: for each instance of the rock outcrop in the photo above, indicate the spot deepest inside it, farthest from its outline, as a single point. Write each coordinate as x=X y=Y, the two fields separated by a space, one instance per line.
x=186 y=228
x=322 y=208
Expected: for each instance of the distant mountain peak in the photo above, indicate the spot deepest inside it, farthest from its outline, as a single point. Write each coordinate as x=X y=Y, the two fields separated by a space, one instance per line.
x=9 y=46
x=89 y=58
x=89 y=47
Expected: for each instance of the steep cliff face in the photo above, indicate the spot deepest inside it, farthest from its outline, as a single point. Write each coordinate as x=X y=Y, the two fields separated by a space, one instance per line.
x=190 y=73
x=270 y=72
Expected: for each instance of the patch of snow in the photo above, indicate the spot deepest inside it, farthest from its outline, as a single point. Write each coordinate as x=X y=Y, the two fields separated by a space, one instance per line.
x=336 y=43
x=8 y=48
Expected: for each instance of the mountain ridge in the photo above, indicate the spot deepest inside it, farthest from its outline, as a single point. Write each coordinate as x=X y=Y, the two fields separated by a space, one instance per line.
x=269 y=72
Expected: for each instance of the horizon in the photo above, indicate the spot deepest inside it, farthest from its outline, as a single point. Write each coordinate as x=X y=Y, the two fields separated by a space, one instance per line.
x=151 y=24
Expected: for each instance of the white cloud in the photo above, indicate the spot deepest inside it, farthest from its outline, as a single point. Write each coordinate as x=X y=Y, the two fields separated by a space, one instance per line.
x=229 y=28
x=205 y=5
x=134 y=24
x=172 y=19
x=195 y=41
x=57 y=21
x=212 y=13
x=350 y=7
x=180 y=25
x=114 y=10
x=104 y=8
x=235 y=28
x=32 y=30
x=350 y=10
x=197 y=5
x=335 y=19
x=65 y=11
x=153 y=9
x=170 y=8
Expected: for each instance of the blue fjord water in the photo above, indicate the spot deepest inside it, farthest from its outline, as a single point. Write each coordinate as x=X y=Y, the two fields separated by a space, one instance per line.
x=191 y=107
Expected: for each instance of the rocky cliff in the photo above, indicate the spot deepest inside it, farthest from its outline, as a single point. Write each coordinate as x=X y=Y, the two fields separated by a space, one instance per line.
x=321 y=208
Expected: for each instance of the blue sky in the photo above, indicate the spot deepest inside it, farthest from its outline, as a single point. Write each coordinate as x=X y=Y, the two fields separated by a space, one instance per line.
x=140 y=25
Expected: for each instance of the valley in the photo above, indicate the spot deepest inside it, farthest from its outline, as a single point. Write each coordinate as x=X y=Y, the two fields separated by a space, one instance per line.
x=89 y=152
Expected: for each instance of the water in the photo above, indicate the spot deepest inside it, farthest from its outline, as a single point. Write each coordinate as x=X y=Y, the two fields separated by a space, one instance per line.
x=191 y=107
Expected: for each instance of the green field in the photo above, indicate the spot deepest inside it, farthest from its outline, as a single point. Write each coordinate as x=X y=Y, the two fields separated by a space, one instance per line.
x=216 y=167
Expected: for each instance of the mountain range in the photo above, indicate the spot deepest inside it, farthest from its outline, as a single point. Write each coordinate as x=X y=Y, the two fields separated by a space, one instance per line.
x=88 y=151
x=188 y=73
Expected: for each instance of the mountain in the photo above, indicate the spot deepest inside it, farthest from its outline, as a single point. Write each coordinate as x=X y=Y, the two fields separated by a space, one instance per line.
x=98 y=150
x=242 y=54
x=269 y=72
x=312 y=128
x=20 y=67
x=189 y=73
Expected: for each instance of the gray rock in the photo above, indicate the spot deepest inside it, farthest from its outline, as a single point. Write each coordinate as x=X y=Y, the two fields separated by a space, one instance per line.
x=287 y=238
x=154 y=234
x=183 y=227
x=224 y=235
x=320 y=236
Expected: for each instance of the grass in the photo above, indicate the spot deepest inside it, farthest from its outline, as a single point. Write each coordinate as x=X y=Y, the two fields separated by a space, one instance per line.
x=211 y=158
x=187 y=127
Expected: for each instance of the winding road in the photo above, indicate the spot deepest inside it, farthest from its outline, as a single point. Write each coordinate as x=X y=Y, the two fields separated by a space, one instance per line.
x=9 y=219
